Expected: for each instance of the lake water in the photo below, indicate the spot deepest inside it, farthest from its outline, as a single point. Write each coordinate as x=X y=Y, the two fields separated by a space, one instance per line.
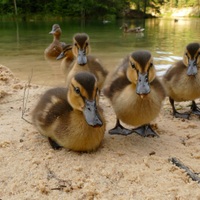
x=22 y=44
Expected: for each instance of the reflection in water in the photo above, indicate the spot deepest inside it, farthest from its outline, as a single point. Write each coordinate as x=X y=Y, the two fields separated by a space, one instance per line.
x=22 y=44
x=17 y=32
x=161 y=68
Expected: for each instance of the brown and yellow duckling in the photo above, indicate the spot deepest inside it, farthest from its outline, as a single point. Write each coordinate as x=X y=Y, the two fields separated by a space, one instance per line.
x=56 y=47
x=83 y=61
x=67 y=57
x=71 y=117
x=131 y=30
x=182 y=80
x=136 y=94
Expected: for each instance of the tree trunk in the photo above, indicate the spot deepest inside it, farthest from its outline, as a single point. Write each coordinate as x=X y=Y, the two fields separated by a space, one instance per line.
x=145 y=6
x=15 y=5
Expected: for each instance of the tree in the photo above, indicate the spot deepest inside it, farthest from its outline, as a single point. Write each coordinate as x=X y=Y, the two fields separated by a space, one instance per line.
x=15 y=5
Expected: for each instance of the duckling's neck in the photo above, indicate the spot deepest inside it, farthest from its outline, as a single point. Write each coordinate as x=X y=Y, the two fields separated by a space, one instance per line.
x=56 y=37
x=125 y=29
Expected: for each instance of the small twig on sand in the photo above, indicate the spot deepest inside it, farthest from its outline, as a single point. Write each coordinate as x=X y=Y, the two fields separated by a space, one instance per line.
x=51 y=174
x=25 y=97
x=189 y=172
x=61 y=182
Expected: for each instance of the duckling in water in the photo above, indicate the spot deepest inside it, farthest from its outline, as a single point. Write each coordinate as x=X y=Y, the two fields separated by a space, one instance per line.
x=182 y=80
x=136 y=94
x=56 y=47
x=71 y=117
x=131 y=30
x=83 y=61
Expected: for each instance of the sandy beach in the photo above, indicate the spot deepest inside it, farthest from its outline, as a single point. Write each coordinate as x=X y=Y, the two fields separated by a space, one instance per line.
x=123 y=168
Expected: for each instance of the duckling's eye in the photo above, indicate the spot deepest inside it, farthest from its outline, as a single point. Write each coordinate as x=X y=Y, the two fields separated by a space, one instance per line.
x=77 y=90
x=86 y=44
x=133 y=65
x=151 y=65
x=75 y=44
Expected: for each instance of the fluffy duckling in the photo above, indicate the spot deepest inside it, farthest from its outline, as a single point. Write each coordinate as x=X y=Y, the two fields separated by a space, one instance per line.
x=67 y=57
x=83 y=61
x=56 y=47
x=136 y=94
x=71 y=117
x=131 y=30
x=182 y=80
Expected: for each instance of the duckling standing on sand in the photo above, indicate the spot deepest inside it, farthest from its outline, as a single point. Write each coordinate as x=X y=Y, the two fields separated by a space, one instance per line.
x=182 y=80
x=56 y=47
x=71 y=117
x=131 y=30
x=83 y=61
x=136 y=94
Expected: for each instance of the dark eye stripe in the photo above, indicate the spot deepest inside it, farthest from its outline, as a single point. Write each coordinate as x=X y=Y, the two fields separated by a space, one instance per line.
x=76 y=89
x=133 y=65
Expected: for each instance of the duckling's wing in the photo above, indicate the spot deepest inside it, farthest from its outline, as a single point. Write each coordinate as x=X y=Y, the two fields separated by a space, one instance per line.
x=117 y=80
x=116 y=86
x=52 y=104
x=157 y=85
x=175 y=72
x=95 y=65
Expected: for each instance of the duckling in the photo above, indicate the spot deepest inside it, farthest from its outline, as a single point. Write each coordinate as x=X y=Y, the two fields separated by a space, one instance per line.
x=83 y=61
x=182 y=80
x=136 y=94
x=72 y=117
x=56 y=47
x=67 y=57
x=131 y=30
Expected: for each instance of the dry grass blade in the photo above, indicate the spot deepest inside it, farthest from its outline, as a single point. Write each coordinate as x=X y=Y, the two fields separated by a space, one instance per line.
x=25 y=97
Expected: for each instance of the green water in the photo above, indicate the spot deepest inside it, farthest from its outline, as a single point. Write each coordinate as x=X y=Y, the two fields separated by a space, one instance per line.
x=22 y=44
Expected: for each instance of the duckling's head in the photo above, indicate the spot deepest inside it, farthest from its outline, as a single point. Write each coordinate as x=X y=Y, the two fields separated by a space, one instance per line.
x=141 y=71
x=83 y=95
x=65 y=51
x=56 y=30
x=191 y=58
x=81 y=47
x=124 y=26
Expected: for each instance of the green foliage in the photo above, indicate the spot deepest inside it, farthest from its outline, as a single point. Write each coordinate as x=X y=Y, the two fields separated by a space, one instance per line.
x=183 y=3
x=63 y=8
x=152 y=5
x=93 y=9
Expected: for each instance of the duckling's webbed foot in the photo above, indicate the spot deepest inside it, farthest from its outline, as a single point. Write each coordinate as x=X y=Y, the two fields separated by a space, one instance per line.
x=181 y=115
x=53 y=144
x=145 y=131
x=195 y=108
x=120 y=130
x=177 y=114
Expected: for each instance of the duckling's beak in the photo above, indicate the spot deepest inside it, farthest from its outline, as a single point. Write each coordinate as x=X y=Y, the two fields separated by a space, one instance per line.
x=91 y=114
x=52 y=32
x=142 y=87
x=192 y=67
x=81 y=59
x=61 y=55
